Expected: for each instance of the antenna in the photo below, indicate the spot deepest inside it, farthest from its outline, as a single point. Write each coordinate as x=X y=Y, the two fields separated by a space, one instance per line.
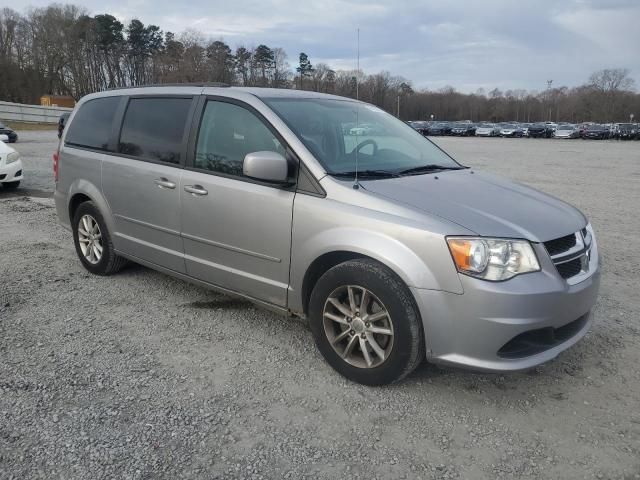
x=358 y=65
x=356 y=186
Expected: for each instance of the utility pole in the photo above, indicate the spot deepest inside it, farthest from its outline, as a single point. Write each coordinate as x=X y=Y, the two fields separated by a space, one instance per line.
x=549 y=82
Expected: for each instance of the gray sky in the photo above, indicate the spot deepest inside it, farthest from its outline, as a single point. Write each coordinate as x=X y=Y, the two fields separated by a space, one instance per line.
x=466 y=44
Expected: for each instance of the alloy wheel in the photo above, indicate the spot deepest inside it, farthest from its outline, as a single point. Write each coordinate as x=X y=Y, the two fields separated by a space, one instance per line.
x=90 y=239
x=358 y=326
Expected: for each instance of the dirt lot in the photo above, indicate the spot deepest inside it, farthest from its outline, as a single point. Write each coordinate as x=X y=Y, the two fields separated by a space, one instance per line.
x=141 y=376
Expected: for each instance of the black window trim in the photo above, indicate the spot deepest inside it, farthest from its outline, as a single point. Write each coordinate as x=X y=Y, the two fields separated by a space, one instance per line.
x=114 y=121
x=117 y=132
x=195 y=130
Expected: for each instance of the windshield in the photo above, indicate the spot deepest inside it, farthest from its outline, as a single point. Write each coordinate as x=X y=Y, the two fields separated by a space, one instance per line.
x=487 y=125
x=339 y=131
x=566 y=127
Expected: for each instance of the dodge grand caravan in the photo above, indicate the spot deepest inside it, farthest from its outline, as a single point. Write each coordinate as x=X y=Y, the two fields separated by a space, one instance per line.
x=391 y=249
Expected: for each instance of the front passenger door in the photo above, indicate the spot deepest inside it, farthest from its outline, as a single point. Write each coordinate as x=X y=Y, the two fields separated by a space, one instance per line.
x=236 y=231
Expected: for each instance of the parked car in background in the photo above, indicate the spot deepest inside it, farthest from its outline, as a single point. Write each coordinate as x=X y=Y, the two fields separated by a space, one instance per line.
x=360 y=130
x=440 y=128
x=540 y=130
x=582 y=127
x=626 y=131
x=487 y=130
x=420 y=126
x=11 y=135
x=511 y=130
x=596 y=132
x=567 y=131
x=525 y=129
x=61 y=123
x=411 y=257
x=10 y=164
x=463 y=129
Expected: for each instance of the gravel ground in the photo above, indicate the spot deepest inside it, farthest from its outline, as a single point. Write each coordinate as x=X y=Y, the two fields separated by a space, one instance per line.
x=140 y=376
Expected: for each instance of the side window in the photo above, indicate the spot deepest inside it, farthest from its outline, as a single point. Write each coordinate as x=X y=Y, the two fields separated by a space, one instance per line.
x=227 y=133
x=91 y=126
x=153 y=128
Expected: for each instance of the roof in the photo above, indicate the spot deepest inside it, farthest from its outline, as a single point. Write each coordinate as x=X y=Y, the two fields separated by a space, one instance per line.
x=287 y=93
x=260 y=92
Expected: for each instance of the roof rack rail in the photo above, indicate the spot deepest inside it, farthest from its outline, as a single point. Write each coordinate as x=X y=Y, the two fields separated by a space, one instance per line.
x=196 y=84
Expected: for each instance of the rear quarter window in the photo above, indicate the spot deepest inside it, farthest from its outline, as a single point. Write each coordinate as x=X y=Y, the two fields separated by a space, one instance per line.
x=91 y=125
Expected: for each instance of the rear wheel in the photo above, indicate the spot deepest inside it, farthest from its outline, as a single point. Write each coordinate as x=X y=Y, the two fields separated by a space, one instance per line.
x=365 y=323
x=11 y=185
x=93 y=241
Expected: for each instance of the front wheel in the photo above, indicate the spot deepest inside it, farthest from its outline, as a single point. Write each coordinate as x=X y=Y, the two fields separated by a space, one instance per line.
x=365 y=323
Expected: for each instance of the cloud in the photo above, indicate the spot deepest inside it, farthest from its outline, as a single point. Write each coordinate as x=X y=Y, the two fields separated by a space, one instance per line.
x=468 y=45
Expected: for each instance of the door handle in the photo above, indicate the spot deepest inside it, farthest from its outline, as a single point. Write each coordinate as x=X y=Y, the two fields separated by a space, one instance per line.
x=164 y=183
x=195 y=190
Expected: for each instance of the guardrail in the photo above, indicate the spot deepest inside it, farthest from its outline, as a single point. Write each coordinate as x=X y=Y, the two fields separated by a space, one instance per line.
x=19 y=112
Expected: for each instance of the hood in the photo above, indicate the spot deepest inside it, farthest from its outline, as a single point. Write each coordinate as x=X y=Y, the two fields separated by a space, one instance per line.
x=5 y=149
x=485 y=204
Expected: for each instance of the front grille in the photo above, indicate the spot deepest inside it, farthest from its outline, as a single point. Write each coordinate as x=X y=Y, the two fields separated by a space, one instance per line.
x=571 y=254
x=560 y=245
x=537 y=341
x=571 y=268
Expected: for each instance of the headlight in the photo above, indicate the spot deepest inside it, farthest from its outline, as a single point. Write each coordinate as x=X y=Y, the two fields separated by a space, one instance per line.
x=492 y=258
x=12 y=157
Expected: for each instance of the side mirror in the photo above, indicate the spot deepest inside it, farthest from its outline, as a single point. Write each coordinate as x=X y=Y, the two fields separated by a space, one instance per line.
x=266 y=166
x=4 y=138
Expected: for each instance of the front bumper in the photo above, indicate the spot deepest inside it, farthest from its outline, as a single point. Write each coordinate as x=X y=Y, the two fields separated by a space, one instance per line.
x=470 y=329
x=11 y=172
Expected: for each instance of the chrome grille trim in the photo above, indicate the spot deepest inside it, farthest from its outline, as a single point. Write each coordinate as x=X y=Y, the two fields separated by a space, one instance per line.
x=582 y=250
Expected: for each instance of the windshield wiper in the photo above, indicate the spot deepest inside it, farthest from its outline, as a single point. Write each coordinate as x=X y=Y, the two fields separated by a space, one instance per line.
x=428 y=168
x=367 y=173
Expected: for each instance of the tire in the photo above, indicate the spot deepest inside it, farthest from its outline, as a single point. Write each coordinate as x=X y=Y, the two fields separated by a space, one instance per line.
x=108 y=262
x=404 y=349
x=11 y=185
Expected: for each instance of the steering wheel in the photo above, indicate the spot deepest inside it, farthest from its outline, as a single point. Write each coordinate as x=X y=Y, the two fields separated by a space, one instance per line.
x=370 y=141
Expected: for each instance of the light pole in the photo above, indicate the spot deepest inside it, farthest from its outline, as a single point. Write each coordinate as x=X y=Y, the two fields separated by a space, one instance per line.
x=549 y=82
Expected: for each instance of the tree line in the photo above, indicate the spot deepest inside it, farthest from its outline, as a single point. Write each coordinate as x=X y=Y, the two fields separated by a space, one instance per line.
x=62 y=50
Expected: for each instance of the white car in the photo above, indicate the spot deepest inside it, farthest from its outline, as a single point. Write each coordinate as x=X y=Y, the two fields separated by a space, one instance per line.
x=487 y=130
x=10 y=165
x=566 y=131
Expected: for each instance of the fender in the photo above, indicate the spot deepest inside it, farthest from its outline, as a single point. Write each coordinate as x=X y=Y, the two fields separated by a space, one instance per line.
x=389 y=251
x=85 y=187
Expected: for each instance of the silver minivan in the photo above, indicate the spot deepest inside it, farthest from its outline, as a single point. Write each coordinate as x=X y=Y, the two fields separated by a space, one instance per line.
x=328 y=209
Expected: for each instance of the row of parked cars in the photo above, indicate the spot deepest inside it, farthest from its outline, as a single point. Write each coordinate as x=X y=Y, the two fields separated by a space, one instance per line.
x=621 y=131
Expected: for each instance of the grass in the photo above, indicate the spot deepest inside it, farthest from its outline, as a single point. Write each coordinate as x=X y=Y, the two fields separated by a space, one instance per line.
x=31 y=126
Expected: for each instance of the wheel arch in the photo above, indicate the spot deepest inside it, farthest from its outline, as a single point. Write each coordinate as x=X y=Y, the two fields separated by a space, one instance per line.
x=316 y=256
x=319 y=267
x=82 y=191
